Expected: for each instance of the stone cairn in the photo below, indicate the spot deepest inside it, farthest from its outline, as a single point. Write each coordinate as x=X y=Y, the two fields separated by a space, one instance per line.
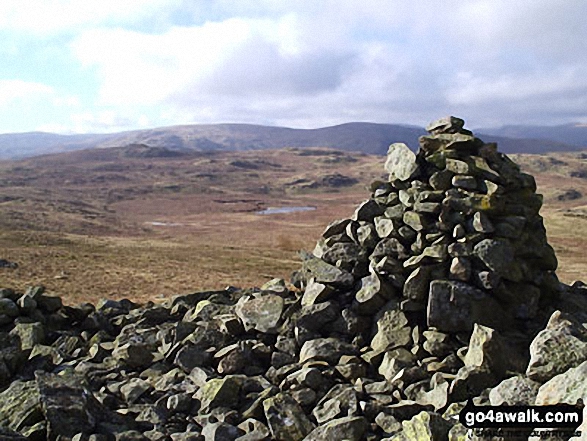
x=440 y=289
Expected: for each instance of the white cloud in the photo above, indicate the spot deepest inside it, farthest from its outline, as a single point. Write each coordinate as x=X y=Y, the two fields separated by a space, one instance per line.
x=18 y=90
x=42 y=17
x=309 y=63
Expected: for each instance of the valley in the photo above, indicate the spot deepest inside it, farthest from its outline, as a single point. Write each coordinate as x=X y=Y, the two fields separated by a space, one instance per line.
x=146 y=223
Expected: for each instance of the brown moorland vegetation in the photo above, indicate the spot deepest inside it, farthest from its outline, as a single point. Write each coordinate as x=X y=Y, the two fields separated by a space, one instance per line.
x=147 y=223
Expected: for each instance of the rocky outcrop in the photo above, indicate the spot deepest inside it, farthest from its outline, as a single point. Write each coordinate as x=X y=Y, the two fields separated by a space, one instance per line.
x=439 y=289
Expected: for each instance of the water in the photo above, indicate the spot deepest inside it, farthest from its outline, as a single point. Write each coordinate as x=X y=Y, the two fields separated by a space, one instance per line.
x=284 y=210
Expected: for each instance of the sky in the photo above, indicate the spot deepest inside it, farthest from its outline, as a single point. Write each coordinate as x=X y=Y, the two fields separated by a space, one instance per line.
x=71 y=66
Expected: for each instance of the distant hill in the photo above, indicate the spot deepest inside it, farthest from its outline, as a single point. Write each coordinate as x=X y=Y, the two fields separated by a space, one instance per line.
x=575 y=133
x=352 y=137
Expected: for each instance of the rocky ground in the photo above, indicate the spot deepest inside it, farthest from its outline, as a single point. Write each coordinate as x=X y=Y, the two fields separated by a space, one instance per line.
x=441 y=288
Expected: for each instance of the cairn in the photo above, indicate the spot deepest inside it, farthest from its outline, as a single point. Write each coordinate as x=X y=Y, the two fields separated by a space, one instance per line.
x=435 y=292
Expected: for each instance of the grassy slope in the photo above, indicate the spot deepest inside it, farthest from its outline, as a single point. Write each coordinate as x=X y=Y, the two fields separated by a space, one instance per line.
x=79 y=223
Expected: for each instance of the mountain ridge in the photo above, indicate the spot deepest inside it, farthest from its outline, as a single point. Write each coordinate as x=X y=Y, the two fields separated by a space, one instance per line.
x=365 y=137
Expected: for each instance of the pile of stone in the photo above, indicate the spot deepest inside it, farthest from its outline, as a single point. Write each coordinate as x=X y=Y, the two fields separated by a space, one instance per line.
x=440 y=289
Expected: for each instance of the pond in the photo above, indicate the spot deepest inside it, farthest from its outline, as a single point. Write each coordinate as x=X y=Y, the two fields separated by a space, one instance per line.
x=284 y=210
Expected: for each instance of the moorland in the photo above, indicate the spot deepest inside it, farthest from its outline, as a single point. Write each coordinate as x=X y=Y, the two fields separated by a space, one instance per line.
x=146 y=223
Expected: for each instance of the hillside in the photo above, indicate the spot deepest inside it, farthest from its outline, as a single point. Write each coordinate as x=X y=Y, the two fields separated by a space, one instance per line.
x=360 y=137
x=566 y=133
x=143 y=222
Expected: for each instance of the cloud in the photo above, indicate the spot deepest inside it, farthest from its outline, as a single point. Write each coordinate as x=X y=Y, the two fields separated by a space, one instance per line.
x=307 y=63
x=45 y=18
x=12 y=91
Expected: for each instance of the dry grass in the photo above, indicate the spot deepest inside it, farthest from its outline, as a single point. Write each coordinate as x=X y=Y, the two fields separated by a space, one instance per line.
x=81 y=227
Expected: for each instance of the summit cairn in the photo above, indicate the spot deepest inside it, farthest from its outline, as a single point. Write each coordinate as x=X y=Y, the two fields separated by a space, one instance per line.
x=454 y=236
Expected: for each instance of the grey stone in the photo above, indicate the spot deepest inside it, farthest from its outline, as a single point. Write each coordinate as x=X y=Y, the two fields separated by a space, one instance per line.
x=465 y=182
x=218 y=392
x=367 y=211
x=351 y=428
x=373 y=293
x=514 y=391
x=341 y=400
x=394 y=361
x=426 y=426
x=498 y=256
x=560 y=346
x=481 y=223
x=262 y=313
x=221 y=431
x=286 y=419
x=325 y=349
x=392 y=331
x=456 y=307
x=401 y=162
x=448 y=124
x=565 y=388
x=460 y=269
x=323 y=272
x=316 y=292
x=418 y=283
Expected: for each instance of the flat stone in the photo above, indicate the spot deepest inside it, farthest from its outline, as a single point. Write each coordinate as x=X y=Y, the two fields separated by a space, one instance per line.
x=262 y=313
x=465 y=182
x=323 y=272
x=447 y=124
x=351 y=428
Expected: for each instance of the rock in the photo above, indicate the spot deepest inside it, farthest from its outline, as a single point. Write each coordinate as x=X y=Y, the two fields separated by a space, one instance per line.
x=316 y=293
x=325 y=349
x=448 y=124
x=348 y=428
x=29 y=334
x=498 y=256
x=261 y=313
x=567 y=387
x=286 y=419
x=9 y=308
x=486 y=350
x=394 y=361
x=221 y=431
x=560 y=346
x=401 y=162
x=373 y=294
x=515 y=391
x=218 y=392
x=456 y=307
x=340 y=401
x=133 y=389
x=481 y=223
x=21 y=406
x=392 y=331
x=427 y=426
x=323 y=272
